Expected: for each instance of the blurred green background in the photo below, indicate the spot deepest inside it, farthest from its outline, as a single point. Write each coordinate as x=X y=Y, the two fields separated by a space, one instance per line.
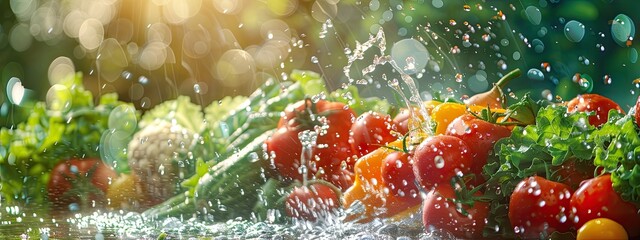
x=152 y=50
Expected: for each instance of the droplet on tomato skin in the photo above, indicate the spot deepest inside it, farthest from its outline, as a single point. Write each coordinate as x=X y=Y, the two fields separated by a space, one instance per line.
x=542 y=203
x=439 y=161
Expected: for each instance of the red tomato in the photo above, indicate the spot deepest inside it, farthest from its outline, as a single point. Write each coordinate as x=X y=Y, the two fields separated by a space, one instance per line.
x=342 y=179
x=539 y=207
x=596 y=198
x=397 y=175
x=437 y=159
x=461 y=220
x=370 y=131
x=402 y=121
x=480 y=136
x=333 y=120
x=311 y=202
x=285 y=149
x=79 y=181
x=593 y=103
x=573 y=174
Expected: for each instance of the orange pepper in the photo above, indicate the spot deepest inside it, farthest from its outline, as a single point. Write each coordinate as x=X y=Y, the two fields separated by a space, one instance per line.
x=368 y=188
x=445 y=113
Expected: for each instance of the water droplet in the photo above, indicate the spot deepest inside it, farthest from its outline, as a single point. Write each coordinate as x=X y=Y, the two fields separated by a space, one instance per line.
x=409 y=56
x=542 y=32
x=574 y=31
x=538 y=45
x=374 y=5
x=439 y=161
x=535 y=74
x=622 y=30
x=314 y=59
x=633 y=55
x=533 y=14
x=437 y=3
x=161 y=169
x=143 y=80
x=196 y=88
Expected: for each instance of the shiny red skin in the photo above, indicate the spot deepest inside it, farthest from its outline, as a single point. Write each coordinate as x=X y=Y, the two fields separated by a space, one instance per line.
x=480 y=136
x=311 y=202
x=285 y=148
x=440 y=213
x=593 y=103
x=539 y=207
x=370 y=131
x=573 y=174
x=402 y=121
x=430 y=171
x=59 y=182
x=398 y=177
x=596 y=198
x=332 y=146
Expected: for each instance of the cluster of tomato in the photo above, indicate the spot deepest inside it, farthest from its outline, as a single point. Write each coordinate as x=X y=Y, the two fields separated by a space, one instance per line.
x=388 y=180
x=340 y=137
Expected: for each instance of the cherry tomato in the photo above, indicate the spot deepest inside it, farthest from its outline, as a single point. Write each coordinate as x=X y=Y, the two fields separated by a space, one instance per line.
x=461 y=220
x=573 y=174
x=437 y=159
x=397 y=175
x=372 y=130
x=333 y=120
x=601 y=228
x=285 y=149
x=311 y=202
x=79 y=181
x=596 y=198
x=538 y=207
x=598 y=104
x=480 y=136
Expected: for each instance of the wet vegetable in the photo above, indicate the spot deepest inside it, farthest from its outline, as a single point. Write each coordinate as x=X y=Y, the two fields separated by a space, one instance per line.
x=596 y=198
x=597 y=105
x=494 y=98
x=368 y=192
x=124 y=193
x=397 y=175
x=332 y=142
x=67 y=126
x=480 y=135
x=437 y=159
x=372 y=130
x=79 y=184
x=311 y=202
x=462 y=216
x=539 y=207
x=601 y=228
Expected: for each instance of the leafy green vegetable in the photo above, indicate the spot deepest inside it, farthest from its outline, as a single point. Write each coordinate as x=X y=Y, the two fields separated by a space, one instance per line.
x=180 y=111
x=67 y=126
x=617 y=151
x=216 y=112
